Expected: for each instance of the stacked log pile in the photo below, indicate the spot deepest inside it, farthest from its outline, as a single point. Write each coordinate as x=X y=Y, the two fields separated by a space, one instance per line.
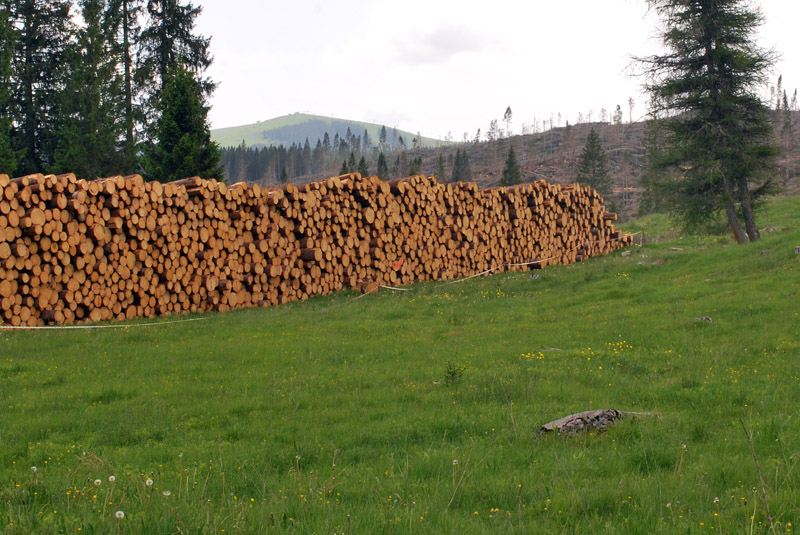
x=117 y=248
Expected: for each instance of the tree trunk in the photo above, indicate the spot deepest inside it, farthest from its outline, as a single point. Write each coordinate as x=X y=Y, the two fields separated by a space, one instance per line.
x=130 y=144
x=736 y=226
x=730 y=211
x=747 y=211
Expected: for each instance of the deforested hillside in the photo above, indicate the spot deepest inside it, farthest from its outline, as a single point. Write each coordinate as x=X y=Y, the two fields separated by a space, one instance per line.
x=553 y=155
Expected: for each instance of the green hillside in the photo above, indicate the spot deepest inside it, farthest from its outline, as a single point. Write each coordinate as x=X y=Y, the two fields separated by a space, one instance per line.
x=295 y=128
x=416 y=411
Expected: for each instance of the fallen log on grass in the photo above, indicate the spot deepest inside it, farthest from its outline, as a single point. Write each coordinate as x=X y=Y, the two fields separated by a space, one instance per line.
x=598 y=420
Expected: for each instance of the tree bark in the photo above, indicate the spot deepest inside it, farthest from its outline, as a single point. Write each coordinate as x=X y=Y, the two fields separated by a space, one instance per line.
x=747 y=211
x=730 y=211
x=736 y=226
x=129 y=140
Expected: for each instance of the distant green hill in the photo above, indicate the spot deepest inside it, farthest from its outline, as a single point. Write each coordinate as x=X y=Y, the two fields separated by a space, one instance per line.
x=295 y=128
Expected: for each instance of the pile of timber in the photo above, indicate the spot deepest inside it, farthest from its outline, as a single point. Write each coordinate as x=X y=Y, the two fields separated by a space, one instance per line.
x=117 y=248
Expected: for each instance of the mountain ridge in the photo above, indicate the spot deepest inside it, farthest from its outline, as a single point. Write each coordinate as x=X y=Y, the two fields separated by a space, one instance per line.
x=297 y=127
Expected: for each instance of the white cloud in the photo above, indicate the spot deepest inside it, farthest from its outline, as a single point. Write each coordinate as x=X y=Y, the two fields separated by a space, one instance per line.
x=441 y=44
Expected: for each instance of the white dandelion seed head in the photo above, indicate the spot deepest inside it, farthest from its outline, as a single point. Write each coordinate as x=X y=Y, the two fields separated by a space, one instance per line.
x=111 y=479
x=148 y=482
x=716 y=500
x=97 y=482
x=33 y=469
x=167 y=493
x=119 y=514
x=455 y=462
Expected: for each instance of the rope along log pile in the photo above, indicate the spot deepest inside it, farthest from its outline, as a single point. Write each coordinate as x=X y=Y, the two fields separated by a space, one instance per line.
x=117 y=248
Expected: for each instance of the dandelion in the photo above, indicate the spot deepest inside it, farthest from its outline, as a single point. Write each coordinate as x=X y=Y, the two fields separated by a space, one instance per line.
x=97 y=482
x=111 y=479
x=33 y=469
x=120 y=515
x=149 y=482
x=167 y=493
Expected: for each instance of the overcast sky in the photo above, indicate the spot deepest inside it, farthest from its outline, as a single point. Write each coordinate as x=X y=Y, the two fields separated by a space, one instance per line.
x=439 y=66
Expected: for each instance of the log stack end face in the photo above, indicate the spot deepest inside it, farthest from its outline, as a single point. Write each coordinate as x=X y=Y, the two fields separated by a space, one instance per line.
x=73 y=250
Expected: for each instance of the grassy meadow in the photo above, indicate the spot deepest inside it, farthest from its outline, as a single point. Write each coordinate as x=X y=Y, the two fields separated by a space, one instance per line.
x=416 y=411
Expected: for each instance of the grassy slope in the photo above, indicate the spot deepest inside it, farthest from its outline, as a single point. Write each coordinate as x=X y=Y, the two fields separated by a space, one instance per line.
x=332 y=416
x=252 y=134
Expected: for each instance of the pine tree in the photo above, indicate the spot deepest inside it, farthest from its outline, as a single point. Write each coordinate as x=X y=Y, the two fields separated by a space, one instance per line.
x=511 y=171
x=351 y=163
x=183 y=145
x=41 y=31
x=718 y=141
x=593 y=167
x=383 y=168
x=91 y=119
x=344 y=169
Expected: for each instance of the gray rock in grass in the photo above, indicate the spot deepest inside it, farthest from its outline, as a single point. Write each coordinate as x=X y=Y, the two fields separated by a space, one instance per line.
x=598 y=420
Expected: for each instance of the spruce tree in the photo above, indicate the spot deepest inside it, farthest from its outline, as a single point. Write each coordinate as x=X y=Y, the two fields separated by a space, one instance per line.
x=511 y=171
x=91 y=119
x=8 y=156
x=461 y=167
x=718 y=134
x=344 y=169
x=593 y=167
x=441 y=173
x=41 y=31
x=123 y=21
x=653 y=172
x=415 y=167
x=166 y=42
x=183 y=145
x=306 y=158
x=382 y=137
x=352 y=165
x=383 y=168
x=363 y=168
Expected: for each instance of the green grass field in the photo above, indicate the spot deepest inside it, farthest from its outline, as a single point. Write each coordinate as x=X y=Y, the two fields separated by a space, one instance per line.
x=416 y=412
